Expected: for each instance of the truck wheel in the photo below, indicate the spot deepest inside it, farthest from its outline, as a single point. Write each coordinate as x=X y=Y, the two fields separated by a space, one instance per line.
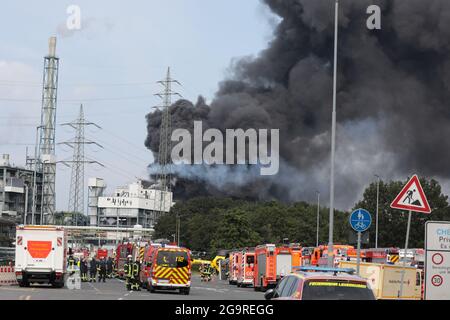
x=150 y=288
x=261 y=286
x=185 y=291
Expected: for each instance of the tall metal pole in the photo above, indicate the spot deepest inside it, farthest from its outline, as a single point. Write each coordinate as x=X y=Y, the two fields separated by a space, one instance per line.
x=333 y=141
x=404 y=255
x=33 y=209
x=318 y=217
x=358 y=257
x=26 y=205
x=376 y=214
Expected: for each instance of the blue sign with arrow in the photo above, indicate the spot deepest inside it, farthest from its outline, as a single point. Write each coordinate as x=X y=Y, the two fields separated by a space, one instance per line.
x=360 y=220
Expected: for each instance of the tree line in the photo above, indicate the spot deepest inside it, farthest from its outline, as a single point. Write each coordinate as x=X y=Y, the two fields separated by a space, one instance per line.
x=210 y=223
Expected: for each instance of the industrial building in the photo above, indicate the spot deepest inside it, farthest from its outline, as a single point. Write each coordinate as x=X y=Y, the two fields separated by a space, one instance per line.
x=16 y=192
x=135 y=204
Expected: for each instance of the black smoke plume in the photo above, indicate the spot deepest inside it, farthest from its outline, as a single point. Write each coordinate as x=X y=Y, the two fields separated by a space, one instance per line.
x=392 y=106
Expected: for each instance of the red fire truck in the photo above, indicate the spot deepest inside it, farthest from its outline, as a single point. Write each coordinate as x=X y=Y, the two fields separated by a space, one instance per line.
x=102 y=253
x=246 y=267
x=234 y=265
x=271 y=264
x=122 y=252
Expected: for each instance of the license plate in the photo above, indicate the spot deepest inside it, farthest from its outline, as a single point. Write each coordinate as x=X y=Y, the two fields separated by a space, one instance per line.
x=163 y=281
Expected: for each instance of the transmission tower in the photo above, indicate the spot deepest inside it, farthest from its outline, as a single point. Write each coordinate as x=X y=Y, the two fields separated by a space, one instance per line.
x=76 y=195
x=46 y=157
x=165 y=145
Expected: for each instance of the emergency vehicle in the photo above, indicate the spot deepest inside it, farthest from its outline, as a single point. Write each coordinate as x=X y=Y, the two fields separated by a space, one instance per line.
x=385 y=279
x=166 y=267
x=246 y=268
x=234 y=265
x=122 y=252
x=341 y=252
x=381 y=255
x=271 y=264
x=102 y=253
x=41 y=255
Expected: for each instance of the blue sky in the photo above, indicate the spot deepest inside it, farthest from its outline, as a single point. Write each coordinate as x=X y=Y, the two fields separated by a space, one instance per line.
x=111 y=66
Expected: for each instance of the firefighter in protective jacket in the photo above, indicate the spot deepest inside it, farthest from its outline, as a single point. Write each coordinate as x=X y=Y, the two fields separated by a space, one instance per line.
x=131 y=270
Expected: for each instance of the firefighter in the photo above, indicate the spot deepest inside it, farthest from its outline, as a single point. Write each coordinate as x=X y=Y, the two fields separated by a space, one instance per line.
x=131 y=270
x=109 y=267
x=84 y=270
x=93 y=270
x=102 y=270
x=71 y=263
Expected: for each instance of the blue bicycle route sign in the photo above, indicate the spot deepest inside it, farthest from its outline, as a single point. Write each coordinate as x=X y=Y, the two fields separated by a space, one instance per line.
x=360 y=220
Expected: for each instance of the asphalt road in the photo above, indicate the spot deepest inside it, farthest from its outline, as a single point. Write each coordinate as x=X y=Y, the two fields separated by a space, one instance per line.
x=114 y=289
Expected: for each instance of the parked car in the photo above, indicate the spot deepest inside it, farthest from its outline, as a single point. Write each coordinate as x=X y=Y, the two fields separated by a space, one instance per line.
x=314 y=283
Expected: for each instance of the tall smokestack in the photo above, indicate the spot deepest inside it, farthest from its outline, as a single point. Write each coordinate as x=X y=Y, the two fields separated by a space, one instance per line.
x=52 y=47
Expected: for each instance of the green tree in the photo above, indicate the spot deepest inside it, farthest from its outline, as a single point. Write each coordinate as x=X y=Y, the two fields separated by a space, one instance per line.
x=234 y=231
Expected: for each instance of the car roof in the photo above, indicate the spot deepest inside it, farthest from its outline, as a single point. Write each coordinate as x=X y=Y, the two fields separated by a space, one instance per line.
x=327 y=276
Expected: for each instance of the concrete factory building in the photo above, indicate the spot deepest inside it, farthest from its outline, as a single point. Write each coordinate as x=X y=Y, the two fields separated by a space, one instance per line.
x=16 y=192
x=136 y=204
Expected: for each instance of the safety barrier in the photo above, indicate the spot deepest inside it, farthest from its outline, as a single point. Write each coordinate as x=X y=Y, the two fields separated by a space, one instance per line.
x=7 y=276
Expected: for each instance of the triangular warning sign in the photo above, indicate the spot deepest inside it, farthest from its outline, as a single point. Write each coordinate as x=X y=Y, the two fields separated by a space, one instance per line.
x=412 y=197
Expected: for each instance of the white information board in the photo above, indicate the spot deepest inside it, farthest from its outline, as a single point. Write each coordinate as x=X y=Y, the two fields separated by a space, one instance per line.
x=437 y=260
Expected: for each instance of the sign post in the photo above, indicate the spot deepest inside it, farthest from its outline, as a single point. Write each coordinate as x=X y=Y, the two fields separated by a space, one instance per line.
x=360 y=221
x=411 y=198
x=437 y=260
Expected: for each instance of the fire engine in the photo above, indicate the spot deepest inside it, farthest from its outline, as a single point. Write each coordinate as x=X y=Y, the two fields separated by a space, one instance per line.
x=166 y=267
x=246 y=268
x=380 y=255
x=271 y=264
x=102 y=253
x=341 y=252
x=234 y=265
x=122 y=252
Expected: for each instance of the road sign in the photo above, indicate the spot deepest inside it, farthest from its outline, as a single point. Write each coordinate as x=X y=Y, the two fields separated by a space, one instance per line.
x=412 y=197
x=360 y=220
x=437 y=260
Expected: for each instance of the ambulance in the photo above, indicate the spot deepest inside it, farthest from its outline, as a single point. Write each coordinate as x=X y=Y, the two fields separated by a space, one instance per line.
x=41 y=255
x=166 y=267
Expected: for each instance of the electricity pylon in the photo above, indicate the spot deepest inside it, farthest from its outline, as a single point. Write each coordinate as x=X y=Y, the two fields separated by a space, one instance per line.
x=76 y=195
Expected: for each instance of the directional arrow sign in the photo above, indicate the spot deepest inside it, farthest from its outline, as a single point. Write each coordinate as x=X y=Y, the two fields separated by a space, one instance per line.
x=412 y=197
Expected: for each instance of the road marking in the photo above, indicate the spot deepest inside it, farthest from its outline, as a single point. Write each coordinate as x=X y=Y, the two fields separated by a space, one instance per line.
x=28 y=298
x=120 y=299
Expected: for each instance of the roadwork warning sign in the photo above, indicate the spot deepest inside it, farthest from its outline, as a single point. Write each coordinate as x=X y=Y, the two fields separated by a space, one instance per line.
x=437 y=260
x=412 y=197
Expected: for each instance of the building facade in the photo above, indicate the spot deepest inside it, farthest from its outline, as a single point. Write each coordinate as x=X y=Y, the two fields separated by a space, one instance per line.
x=135 y=204
x=16 y=192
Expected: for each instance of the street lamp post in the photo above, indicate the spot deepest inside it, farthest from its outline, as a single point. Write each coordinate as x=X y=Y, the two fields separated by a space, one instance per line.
x=376 y=212
x=318 y=218
x=333 y=140
x=26 y=205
